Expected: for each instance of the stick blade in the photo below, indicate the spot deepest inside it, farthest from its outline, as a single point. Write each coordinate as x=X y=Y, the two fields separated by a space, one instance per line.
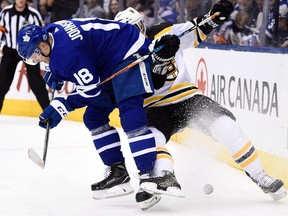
x=36 y=158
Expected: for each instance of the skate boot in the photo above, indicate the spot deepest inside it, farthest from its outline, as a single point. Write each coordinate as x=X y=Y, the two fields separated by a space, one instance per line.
x=146 y=200
x=165 y=184
x=116 y=183
x=269 y=185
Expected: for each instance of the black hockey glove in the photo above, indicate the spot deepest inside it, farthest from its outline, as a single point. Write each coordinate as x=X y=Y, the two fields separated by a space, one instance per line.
x=225 y=8
x=171 y=46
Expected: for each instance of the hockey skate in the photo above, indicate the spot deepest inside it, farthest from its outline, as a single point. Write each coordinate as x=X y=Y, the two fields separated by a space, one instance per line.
x=165 y=184
x=116 y=183
x=146 y=200
x=269 y=185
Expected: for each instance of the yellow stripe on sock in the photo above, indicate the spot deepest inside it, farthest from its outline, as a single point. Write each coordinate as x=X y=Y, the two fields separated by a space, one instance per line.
x=164 y=156
x=249 y=160
x=161 y=149
x=243 y=150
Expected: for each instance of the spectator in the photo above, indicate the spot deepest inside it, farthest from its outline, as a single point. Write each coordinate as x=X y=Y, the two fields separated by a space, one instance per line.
x=148 y=8
x=283 y=24
x=61 y=9
x=92 y=8
x=113 y=9
x=195 y=8
x=169 y=10
x=4 y=3
x=276 y=30
x=249 y=5
x=235 y=31
x=134 y=4
x=45 y=14
x=19 y=14
x=257 y=14
x=105 y=4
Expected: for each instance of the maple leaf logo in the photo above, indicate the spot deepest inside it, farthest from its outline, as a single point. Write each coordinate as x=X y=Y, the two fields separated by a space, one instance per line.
x=202 y=76
x=201 y=83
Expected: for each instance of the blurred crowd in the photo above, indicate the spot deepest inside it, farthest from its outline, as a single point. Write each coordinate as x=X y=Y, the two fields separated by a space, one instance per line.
x=243 y=28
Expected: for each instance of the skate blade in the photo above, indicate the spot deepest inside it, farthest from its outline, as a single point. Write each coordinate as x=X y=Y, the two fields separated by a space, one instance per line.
x=150 y=202
x=116 y=191
x=279 y=194
x=171 y=191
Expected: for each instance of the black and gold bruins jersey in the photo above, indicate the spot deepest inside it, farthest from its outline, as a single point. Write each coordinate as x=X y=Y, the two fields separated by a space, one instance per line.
x=179 y=84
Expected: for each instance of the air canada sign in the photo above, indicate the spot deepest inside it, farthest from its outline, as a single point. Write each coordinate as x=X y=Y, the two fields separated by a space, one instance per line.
x=238 y=92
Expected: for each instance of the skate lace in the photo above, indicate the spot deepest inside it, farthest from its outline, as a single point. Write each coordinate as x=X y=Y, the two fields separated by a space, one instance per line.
x=107 y=172
x=142 y=176
x=263 y=180
x=151 y=175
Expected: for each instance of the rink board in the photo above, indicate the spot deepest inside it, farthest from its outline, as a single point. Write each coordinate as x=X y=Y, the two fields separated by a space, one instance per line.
x=253 y=85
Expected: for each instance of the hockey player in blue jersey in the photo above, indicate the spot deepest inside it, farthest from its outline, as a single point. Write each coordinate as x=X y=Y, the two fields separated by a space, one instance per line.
x=86 y=52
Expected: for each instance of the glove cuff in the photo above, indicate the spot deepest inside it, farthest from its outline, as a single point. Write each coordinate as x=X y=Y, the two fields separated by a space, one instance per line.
x=161 y=60
x=61 y=106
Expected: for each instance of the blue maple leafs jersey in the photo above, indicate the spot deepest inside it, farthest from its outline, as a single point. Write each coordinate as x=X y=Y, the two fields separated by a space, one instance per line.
x=85 y=51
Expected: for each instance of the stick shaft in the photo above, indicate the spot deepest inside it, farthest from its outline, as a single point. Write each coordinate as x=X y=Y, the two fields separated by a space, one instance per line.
x=199 y=24
x=48 y=129
x=124 y=69
x=31 y=152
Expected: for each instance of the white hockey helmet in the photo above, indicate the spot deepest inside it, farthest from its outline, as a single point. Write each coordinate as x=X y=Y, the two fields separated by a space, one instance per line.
x=132 y=16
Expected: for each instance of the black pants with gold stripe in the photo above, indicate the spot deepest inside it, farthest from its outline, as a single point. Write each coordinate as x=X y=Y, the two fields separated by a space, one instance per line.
x=197 y=112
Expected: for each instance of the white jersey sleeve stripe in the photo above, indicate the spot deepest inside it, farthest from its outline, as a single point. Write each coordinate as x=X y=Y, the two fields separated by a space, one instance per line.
x=136 y=46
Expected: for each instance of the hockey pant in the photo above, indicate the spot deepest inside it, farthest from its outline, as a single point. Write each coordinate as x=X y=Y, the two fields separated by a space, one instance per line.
x=106 y=138
x=204 y=114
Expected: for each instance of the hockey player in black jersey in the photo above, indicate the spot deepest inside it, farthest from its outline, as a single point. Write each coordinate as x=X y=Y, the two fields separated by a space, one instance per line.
x=177 y=103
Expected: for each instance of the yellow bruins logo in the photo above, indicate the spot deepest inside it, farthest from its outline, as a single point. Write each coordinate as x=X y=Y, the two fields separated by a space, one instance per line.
x=172 y=70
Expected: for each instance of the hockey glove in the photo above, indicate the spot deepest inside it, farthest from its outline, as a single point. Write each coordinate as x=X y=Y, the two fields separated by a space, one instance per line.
x=58 y=109
x=49 y=79
x=171 y=46
x=225 y=8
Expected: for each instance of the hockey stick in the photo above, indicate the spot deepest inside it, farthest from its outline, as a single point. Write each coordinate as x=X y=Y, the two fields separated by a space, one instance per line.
x=31 y=152
x=143 y=57
x=208 y=19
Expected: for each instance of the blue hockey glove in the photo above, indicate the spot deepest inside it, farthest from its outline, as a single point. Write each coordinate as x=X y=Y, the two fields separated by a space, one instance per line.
x=49 y=79
x=58 y=109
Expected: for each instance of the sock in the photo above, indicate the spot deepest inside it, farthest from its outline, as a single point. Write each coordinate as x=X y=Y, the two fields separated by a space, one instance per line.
x=228 y=132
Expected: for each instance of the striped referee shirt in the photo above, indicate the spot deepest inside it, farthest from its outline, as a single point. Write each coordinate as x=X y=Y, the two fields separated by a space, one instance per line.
x=11 y=21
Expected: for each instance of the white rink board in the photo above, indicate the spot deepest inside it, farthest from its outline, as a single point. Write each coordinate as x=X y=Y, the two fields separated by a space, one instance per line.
x=232 y=75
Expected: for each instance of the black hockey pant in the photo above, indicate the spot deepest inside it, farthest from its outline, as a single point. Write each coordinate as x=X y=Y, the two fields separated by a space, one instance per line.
x=8 y=66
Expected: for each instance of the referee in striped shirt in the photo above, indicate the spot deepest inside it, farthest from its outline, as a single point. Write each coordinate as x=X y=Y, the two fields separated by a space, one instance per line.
x=12 y=19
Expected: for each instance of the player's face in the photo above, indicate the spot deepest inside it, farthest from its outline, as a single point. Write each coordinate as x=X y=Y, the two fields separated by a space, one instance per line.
x=32 y=60
x=42 y=55
x=36 y=57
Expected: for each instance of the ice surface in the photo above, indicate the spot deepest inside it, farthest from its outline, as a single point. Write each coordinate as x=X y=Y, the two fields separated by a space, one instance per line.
x=63 y=187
